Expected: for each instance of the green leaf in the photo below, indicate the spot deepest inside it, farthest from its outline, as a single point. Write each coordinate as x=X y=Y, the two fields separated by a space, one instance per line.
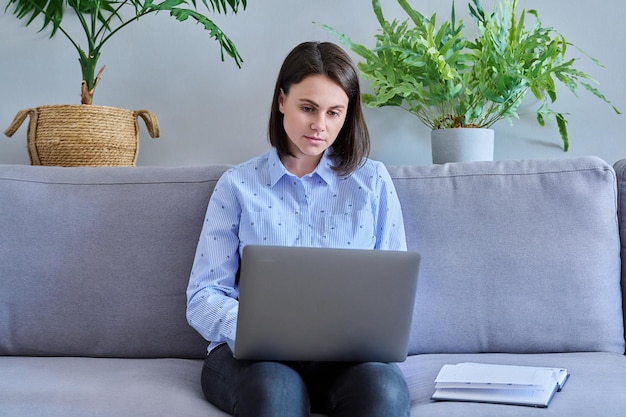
x=418 y=19
x=598 y=94
x=379 y=14
x=226 y=45
x=168 y=4
x=540 y=119
x=561 y=123
x=355 y=47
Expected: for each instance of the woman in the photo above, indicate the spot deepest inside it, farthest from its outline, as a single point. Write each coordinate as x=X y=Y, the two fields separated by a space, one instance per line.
x=316 y=187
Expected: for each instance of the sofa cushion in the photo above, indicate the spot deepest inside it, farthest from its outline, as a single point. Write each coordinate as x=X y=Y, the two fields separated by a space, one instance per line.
x=96 y=387
x=517 y=256
x=103 y=387
x=95 y=261
x=595 y=386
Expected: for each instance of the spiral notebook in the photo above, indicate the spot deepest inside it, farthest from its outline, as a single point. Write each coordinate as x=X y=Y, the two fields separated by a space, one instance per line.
x=505 y=384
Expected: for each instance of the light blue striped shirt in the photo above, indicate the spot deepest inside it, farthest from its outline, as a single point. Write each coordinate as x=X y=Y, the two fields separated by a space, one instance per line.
x=260 y=202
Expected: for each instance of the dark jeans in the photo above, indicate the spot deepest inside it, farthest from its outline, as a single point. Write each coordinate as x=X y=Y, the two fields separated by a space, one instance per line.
x=295 y=389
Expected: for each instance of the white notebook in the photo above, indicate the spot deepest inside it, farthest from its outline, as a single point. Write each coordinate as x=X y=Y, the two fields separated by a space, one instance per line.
x=506 y=384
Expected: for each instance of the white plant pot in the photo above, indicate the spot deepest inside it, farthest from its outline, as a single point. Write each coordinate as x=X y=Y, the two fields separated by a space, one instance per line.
x=461 y=145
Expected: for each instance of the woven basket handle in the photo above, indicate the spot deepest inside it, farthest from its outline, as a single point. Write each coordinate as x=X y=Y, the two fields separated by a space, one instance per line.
x=151 y=122
x=32 y=131
x=18 y=120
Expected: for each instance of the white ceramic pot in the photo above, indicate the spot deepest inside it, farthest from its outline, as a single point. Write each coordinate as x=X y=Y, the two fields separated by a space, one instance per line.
x=461 y=145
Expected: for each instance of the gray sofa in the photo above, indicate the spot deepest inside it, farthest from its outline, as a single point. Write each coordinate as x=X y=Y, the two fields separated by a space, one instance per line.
x=520 y=265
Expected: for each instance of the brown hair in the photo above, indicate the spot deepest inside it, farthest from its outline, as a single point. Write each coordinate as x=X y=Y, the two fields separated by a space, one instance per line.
x=314 y=58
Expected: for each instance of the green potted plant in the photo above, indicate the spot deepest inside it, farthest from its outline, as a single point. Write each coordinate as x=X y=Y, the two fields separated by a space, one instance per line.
x=62 y=141
x=450 y=80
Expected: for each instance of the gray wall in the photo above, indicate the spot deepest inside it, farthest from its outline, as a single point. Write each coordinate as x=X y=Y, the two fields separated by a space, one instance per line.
x=212 y=112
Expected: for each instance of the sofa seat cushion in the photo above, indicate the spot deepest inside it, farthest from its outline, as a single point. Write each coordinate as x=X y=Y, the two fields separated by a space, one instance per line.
x=99 y=387
x=596 y=385
x=66 y=387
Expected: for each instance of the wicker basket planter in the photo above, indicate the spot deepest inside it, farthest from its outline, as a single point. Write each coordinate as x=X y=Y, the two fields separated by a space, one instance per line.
x=83 y=135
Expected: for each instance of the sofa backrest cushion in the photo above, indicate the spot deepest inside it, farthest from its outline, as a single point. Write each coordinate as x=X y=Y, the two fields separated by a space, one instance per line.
x=95 y=261
x=517 y=256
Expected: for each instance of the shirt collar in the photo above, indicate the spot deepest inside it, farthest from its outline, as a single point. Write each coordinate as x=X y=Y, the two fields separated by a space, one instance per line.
x=323 y=170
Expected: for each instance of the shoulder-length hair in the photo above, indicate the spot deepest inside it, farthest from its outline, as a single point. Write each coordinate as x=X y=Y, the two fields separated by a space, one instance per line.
x=324 y=58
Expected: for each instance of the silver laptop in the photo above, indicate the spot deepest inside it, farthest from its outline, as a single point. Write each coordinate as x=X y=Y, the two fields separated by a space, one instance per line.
x=323 y=304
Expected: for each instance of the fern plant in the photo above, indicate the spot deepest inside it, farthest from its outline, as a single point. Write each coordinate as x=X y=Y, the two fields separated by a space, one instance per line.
x=447 y=79
x=102 y=19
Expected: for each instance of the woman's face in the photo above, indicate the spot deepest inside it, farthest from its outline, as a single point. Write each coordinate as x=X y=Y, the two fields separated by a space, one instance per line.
x=314 y=112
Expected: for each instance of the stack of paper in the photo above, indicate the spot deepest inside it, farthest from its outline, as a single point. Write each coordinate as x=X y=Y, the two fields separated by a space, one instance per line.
x=506 y=384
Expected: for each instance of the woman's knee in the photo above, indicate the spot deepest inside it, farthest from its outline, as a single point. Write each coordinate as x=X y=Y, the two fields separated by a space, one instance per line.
x=383 y=378
x=376 y=388
x=271 y=389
